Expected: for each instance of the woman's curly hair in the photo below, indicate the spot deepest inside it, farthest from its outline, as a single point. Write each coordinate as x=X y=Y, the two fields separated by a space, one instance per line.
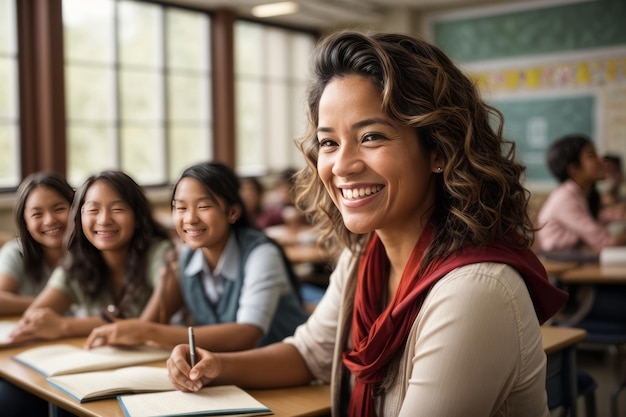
x=479 y=196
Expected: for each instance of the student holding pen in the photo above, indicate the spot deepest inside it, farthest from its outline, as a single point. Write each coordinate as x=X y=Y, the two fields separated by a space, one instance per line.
x=435 y=305
x=236 y=283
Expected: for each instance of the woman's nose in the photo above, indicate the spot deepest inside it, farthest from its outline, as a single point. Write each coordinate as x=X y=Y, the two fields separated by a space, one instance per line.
x=347 y=161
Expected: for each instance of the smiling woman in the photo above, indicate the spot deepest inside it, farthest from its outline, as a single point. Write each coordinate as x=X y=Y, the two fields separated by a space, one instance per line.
x=435 y=287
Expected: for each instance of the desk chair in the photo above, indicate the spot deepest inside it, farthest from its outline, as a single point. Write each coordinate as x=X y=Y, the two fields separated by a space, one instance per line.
x=558 y=381
x=613 y=335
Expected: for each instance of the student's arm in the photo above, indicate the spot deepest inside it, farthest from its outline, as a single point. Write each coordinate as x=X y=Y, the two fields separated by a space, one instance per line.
x=11 y=303
x=218 y=337
x=44 y=319
x=266 y=280
x=252 y=369
x=11 y=271
x=576 y=217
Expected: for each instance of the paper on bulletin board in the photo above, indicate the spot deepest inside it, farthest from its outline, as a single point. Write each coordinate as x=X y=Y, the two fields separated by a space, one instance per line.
x=614 y=107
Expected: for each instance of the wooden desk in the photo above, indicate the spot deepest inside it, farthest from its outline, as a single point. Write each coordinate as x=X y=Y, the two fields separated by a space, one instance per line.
x=594 y=273
x=556 y=267
x=309 y=401
x=556 y=338
x=306 y=253
x=559 y=344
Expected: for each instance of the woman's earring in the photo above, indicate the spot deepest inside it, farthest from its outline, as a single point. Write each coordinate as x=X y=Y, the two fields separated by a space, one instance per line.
x=438 y=169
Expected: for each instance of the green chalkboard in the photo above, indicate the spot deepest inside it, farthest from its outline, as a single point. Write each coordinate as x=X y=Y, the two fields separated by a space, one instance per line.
x=557 y=28
x=534 y=124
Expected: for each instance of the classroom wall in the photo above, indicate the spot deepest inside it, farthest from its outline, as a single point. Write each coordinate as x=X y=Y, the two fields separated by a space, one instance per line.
x=552 y=67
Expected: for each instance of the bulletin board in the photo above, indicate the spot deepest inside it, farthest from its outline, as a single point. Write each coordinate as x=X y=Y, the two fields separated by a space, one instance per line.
x=614 y=113
x=534 y=124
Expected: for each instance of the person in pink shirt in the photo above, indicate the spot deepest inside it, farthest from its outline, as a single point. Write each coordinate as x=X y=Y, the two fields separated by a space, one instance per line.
x=572 y=217
x=573 y=226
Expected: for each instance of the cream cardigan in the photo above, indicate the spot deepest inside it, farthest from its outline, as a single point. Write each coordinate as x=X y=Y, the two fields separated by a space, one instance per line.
x=474 y=349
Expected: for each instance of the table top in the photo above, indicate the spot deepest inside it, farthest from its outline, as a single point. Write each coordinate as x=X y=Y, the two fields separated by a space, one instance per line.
x=306 y=253
x=594 y=273
x=305 y=401
x=556 y=267
x=556 y=338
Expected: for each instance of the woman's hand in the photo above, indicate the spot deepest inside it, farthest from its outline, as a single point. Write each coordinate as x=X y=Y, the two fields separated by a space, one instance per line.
x=126 y=332
x=38 y=323
x=188 y=379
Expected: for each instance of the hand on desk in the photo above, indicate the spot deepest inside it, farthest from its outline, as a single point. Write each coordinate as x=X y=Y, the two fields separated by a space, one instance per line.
x=38 y=323
x=126 y=332
x=186 y=379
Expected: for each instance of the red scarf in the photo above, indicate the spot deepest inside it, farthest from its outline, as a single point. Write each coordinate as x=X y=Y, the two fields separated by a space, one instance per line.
x=377 y=336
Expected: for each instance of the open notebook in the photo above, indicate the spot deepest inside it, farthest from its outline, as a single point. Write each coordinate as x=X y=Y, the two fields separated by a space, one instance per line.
x=6 y=327
x=61 y=359
x=98 y=385
x=227 y=400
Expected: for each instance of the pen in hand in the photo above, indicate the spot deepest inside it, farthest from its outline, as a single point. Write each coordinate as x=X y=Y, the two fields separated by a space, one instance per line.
x=192 y=347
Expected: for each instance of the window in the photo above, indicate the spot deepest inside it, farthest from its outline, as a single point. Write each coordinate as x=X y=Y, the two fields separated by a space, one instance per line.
x=10 y=174
x=271 y=72
x=137 y=89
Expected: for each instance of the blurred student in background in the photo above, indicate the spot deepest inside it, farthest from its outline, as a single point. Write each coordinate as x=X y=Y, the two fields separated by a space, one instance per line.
x=572 y=218
x=573 y=225
x=613 y=181
x=40 y=215
x=252 y=193
x=236 y=283
x=279 y=204
x=115 y=254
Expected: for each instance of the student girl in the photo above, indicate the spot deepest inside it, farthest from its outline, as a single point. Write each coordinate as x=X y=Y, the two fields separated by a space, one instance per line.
x=40 y=214
x=115 y=254
x=435 y=305
x=236 y=283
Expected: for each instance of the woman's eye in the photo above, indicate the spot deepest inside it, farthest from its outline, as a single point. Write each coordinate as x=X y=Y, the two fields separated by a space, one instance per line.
x=327 y=143
x=372 y=137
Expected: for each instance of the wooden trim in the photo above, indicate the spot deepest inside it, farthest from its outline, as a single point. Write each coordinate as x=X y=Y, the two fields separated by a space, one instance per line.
x=223 y=95
x=27 y=87
x=42 y=121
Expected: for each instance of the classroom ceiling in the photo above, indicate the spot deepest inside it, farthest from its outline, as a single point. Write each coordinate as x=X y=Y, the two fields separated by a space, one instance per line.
x=326 y=14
